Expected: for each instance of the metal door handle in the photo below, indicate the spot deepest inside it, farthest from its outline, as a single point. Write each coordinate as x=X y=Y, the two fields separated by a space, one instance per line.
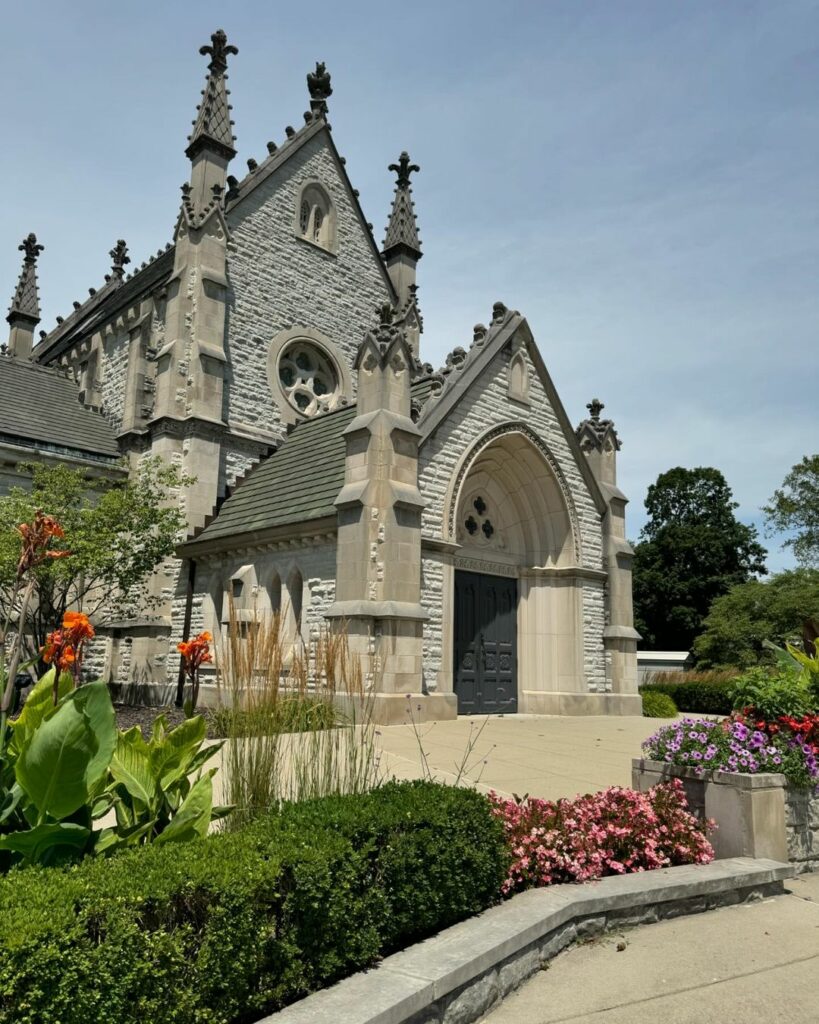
x=483 y=649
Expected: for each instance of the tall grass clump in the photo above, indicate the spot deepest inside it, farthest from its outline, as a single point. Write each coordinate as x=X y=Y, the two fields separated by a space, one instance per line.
x=298 y=716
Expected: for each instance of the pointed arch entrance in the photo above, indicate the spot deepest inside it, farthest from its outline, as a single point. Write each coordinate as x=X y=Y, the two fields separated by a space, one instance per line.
x=516 y=622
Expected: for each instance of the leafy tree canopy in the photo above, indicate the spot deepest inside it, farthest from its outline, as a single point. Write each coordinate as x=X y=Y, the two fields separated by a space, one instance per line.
x=117 y=534
x=794 y=508
x=779 y=610
x=691 y=550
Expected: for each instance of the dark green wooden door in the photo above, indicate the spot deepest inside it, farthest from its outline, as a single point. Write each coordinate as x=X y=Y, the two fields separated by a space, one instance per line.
x=485 y=663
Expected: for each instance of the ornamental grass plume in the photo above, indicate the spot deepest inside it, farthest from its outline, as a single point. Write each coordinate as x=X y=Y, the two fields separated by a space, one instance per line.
x=614 y=832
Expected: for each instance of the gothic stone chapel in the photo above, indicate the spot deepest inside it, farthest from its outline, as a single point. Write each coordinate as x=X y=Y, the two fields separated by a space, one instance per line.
x=453 y=520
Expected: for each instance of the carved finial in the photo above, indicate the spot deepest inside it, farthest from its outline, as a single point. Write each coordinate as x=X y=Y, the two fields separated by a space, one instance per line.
x=404 y=169
x=499 y=312
x=31 y=247
x=318 y=84
x=119 y=258
x=595 y=407
x=219 y=49
x=386 y=314
x=478 y=334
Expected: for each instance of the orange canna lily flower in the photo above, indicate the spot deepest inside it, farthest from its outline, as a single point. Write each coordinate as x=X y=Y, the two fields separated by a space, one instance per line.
x=36 y=537
x=196 y=652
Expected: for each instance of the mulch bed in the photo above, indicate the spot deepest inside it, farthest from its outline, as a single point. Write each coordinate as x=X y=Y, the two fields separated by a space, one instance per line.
x=129 y=715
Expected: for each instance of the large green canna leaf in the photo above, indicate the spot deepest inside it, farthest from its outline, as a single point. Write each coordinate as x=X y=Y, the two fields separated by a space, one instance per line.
x=38 y=704
x=48 y=843
x=68 y=752
x=131 y=766
x=193 y=817
x=172 y=756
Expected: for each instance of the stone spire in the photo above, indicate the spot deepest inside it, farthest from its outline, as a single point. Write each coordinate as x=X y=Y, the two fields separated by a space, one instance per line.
x=213 y=126
x=24 y=314
x=318 y=84
x=402 y=246
x=402 y=230
x=211 y=143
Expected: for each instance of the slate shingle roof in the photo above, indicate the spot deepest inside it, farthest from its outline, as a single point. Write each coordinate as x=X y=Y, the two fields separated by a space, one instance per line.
x=39 y=406
x=299 y=482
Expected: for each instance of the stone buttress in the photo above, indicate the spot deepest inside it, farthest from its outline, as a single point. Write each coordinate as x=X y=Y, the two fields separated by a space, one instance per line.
x=378 y=576
x=599 y=442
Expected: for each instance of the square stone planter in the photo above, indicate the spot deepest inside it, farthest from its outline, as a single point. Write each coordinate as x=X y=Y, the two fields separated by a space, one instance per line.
x=756 y=815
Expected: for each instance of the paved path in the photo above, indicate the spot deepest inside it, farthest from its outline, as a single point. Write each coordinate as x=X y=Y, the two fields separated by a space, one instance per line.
x=757 y=964
x=545 y=757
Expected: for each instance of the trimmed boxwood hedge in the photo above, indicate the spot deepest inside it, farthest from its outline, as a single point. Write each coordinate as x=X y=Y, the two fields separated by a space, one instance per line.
x=235 y=926
x=705 y=698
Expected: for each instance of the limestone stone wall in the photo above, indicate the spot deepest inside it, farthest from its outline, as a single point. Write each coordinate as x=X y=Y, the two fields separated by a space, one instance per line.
x=432 y=600
x=316 y=564
x=802 y=828
x=113 y=377
x=278 y=281
x=486 y=404
x=594 y=621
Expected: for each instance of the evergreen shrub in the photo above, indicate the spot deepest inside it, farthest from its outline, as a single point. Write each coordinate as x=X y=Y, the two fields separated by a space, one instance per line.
x=225 y=929
x=658 y=705
x=707 y=698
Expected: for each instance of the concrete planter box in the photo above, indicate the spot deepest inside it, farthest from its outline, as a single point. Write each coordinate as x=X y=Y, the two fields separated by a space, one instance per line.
x=757 y=815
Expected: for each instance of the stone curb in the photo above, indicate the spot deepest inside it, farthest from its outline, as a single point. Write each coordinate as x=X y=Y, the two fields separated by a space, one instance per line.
x=457 y=976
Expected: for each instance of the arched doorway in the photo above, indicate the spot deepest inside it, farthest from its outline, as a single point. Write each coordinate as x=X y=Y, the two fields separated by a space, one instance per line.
x=512 y=517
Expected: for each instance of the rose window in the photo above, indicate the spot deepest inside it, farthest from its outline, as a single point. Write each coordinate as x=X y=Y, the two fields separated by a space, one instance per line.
x=308 y=379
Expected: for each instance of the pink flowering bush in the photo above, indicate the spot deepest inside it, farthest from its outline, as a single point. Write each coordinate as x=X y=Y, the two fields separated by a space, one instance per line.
x=612 y=832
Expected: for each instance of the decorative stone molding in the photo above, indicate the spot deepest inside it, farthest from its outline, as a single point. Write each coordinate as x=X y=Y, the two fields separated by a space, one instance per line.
x=483 y=442
x=327 y=350
x=483 y=565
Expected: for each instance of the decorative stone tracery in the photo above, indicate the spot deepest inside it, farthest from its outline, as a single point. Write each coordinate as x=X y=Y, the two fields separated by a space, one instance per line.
x=481 y=446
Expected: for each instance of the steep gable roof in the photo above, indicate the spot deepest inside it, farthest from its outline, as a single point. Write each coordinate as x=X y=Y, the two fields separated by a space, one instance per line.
x=40 y=407
x=463 y=371
x=298 y=483
x=117 y=293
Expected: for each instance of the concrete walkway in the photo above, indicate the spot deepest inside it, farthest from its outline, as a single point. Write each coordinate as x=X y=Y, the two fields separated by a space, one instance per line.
x=755 y=963
x=545 y=757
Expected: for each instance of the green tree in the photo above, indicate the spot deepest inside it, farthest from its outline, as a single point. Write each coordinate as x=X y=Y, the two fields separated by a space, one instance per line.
x=117 y=533
x=794 y=508
x=739 y=623
x=691 y=550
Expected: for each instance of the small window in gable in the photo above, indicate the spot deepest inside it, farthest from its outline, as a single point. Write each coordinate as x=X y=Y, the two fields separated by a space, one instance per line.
x=316 y=217
x=518 y=377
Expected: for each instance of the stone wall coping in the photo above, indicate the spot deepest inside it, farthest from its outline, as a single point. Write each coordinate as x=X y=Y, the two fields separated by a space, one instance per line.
x=761 y=780
x=404 y=987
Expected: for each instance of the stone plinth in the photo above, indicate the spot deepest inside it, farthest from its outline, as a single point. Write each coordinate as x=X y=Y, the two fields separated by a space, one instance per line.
x=757 y=815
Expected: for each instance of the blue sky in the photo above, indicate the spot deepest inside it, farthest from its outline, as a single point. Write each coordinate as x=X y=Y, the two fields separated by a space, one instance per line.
x=638 y=178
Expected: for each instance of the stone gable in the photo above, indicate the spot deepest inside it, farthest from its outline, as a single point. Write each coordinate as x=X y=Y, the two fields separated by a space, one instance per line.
x=278 y=280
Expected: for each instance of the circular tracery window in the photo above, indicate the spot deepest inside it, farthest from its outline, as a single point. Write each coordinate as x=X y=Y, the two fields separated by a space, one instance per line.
x=308 y=378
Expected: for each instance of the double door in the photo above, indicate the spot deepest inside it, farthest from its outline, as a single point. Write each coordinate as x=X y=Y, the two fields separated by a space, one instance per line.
x=485 y=661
